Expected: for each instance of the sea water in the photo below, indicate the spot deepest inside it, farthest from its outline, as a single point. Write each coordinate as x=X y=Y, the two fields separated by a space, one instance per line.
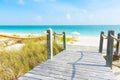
x=88 y=30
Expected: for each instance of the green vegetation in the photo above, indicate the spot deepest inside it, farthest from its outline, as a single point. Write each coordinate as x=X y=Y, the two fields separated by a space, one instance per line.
x=115 y=45
x=68 y=39
x=71 y=40
x=15 y=63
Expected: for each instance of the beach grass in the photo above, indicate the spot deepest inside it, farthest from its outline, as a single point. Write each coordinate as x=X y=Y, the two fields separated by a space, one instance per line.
x=15 y=63
x=68 y=39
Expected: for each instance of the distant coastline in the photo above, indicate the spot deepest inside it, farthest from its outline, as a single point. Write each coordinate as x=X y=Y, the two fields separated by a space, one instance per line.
x=84 y=30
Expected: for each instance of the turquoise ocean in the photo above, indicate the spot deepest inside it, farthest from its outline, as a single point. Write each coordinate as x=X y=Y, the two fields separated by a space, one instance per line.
x=88 y=30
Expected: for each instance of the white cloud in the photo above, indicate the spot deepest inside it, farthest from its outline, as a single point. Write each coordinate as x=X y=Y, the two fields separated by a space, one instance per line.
x=84 y=11
x=52 y=0
x=44 y=0
x=21 y=2
x=60 y=13
x=38 y=18
x=38 y=0
x=108 y=16
x=68 y=16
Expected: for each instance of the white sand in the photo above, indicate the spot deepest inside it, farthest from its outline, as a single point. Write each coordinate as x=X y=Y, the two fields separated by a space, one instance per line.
x=14 y=47
x=116 y=71
x=90 y=41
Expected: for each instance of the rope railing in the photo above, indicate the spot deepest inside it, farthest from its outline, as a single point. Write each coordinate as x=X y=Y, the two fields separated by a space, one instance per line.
x=110 y=43
x=57 y=35
x=49 y=40
x=63 y=35
x=14 y=37
x=115 y=38
x=104 y=36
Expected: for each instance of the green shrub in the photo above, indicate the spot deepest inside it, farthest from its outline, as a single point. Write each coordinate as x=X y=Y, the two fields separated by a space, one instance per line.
x=115 y=45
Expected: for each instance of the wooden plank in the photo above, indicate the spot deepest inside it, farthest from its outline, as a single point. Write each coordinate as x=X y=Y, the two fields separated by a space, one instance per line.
x=27 y=78
x=73 y=64
x=40 y=77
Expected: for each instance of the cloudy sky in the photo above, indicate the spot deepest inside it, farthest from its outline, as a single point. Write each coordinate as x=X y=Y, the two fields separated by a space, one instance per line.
x=59 y=12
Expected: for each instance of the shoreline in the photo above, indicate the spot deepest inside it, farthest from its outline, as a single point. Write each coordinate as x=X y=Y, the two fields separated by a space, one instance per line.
x=83 y=40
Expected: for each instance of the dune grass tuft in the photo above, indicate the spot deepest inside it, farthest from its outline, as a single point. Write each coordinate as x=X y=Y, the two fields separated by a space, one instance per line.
x=68 y=39
x=15 y=63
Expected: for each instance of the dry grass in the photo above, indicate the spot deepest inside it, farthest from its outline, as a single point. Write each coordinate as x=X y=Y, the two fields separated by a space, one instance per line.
x=15 y=63
x=68 y=39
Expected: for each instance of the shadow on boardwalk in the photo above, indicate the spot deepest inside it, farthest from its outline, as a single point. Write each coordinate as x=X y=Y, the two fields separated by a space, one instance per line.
x=76 y=63
x=74 y=66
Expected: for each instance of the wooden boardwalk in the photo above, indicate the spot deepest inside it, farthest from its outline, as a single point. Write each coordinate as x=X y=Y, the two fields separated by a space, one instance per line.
x=75 y=63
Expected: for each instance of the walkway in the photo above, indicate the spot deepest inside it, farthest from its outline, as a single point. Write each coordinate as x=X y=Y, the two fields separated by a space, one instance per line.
x=75 y=63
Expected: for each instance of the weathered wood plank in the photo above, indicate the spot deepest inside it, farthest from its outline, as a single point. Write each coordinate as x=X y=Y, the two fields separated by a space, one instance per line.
x=28 y=78
x=72 y=64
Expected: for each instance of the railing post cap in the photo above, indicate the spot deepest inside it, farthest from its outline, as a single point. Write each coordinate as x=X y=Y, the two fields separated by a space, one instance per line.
x=118 y=34
x=111 y=31
x=49 y=29
x=102 y=31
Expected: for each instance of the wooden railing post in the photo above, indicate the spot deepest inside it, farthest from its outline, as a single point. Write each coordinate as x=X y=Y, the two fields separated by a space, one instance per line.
x=101 y=42
x=49 y=44
x=110 y=41
x=64 y=40
x=118 y=45
x=54 y=36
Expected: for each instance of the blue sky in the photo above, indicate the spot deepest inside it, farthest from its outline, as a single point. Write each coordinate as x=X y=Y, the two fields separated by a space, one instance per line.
x=59 y=12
